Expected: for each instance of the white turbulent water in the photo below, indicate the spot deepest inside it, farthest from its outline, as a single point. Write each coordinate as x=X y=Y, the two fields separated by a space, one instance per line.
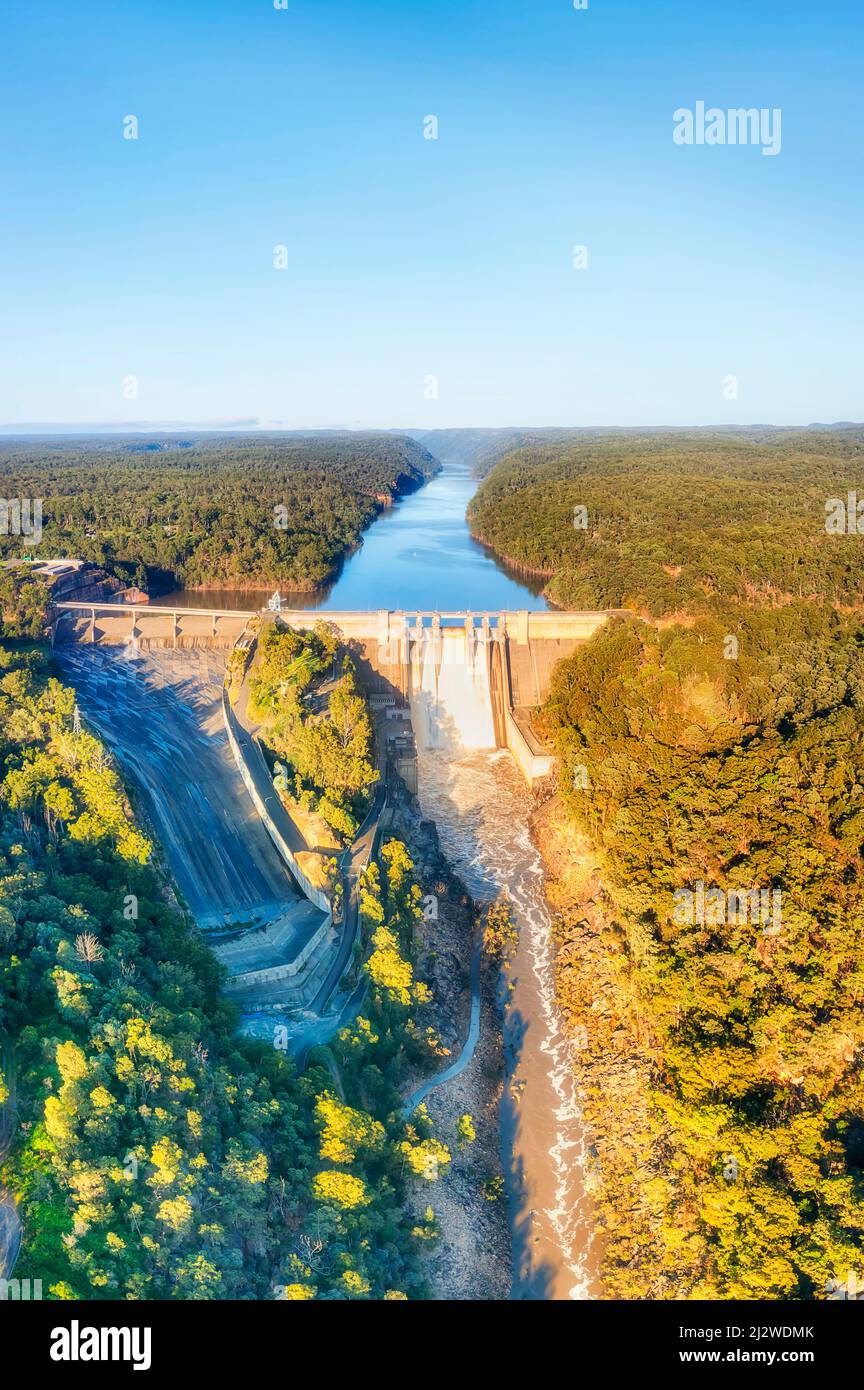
x=481 y=808
x=451 y=704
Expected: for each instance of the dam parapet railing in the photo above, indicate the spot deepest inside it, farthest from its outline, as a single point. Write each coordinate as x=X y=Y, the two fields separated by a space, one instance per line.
x=169 y=626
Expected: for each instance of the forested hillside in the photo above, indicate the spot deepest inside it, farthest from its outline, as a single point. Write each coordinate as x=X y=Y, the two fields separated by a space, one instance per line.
x=480 y=449
x=213 y=511
x=316 y=720
x=715 y=749
x=158 y=1154
x=658 y=522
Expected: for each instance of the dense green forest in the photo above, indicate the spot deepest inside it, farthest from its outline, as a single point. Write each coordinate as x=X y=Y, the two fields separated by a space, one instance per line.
x=660 y=522
x=23 y=601
x=216 y=511
x=715 y=749
x=158 y=1153
x=305 y=689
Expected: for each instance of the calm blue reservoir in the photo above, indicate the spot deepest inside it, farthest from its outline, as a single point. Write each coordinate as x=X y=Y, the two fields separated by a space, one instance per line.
x=420 y=554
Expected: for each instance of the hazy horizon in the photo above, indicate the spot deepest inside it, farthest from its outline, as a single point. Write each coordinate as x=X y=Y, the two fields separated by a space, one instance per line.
x=83 y=429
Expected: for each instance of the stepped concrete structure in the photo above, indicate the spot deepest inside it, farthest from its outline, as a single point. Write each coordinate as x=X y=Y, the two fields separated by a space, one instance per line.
x=161 y=714
x=469 y=679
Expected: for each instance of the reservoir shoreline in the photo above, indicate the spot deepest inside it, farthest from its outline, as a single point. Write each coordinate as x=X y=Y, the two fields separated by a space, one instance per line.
x=418 y=554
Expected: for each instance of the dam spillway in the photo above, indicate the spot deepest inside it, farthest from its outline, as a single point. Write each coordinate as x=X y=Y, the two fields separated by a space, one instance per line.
x=450 y=688
x=472 y=680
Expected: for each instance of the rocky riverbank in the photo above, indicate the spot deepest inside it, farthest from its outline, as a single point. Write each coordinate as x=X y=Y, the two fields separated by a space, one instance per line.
x=612 y=1062
x=472 y=1257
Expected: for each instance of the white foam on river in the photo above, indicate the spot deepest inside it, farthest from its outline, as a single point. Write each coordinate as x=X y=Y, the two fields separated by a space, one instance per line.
x=481 y=808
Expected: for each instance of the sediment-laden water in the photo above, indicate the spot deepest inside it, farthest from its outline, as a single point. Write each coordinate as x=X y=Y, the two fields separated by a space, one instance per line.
x=481 y=808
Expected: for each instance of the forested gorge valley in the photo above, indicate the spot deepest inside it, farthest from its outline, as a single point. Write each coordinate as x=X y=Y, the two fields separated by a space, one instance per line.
x=715 y=741
x=710 y=739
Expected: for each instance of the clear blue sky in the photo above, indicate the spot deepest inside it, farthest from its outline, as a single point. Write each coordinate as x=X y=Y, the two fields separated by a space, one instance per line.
x=411 y=258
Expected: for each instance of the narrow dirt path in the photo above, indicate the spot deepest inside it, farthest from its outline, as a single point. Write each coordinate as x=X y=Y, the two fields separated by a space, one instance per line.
x=468 y=1047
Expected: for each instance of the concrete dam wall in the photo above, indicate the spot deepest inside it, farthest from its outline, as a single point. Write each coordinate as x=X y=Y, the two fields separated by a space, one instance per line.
x=472 y=680
x=146 y=626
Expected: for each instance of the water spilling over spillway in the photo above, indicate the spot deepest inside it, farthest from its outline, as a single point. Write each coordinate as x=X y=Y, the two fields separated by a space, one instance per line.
x=480 y=804
x=451 y=699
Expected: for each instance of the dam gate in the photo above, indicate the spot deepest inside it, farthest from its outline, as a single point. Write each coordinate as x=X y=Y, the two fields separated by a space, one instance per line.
x=471 y=680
